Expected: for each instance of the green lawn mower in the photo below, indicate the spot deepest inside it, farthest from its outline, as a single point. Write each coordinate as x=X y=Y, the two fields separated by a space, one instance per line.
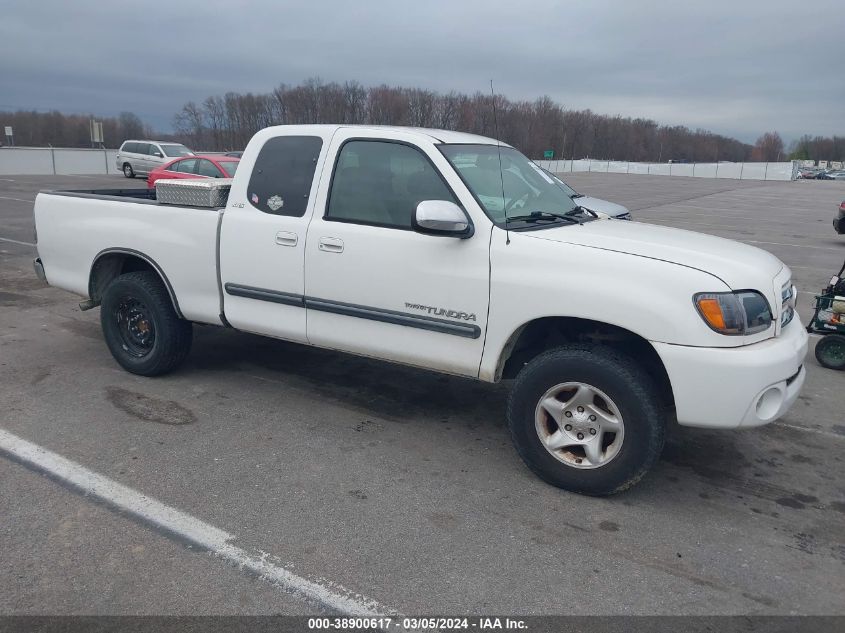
x=829 y=321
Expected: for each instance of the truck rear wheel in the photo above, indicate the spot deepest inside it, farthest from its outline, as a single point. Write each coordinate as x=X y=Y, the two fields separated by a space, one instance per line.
x=586 y=419
x=141 y=327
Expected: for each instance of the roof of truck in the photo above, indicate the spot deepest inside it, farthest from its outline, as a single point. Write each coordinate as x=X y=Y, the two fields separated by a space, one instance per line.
x=450 y=136
x=140 y=140
x=441 y=136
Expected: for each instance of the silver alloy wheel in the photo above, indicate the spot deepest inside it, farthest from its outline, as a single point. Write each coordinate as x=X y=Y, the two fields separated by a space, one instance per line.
x=579 y=425
x=127 y=170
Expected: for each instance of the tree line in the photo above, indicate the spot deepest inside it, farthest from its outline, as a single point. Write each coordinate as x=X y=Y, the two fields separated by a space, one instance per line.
x=226 y=122
x=818 y=148
x=43 y=129
x=769 y=147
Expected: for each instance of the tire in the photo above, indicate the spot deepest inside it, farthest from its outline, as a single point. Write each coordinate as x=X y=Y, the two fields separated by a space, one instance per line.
x=141 y=328
x=128 y=171
x=610 y=386
x=830 y=351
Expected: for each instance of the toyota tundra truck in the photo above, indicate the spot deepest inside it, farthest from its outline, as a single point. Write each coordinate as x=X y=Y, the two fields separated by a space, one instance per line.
x=454 y=253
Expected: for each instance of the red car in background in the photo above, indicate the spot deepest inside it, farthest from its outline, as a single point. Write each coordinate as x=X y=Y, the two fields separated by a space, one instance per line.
x=195 y=167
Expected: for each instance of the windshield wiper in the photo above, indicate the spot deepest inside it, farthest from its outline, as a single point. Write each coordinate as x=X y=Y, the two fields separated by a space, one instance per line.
x=536 y=216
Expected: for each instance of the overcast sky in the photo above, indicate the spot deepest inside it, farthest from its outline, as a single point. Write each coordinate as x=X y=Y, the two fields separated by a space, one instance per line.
x=739 y=68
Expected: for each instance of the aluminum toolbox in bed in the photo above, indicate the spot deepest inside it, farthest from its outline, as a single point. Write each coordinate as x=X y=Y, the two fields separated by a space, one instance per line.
x=198 y=192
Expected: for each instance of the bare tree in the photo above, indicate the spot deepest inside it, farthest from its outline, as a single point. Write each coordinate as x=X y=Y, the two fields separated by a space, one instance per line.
x=355 y=100
x=769 y=147
x=421 y=107
x=129 y=125
x=190 y=122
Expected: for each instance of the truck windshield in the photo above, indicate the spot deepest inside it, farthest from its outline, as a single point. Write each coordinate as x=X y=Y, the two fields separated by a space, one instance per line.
x=526 y=187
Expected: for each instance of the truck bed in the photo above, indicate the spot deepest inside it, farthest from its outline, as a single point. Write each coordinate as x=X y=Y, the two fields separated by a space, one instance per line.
x=142 y=196
x=137 y=193
x=74 y=228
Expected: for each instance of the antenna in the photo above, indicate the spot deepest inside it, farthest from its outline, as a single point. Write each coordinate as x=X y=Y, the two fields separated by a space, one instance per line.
x=501 y=174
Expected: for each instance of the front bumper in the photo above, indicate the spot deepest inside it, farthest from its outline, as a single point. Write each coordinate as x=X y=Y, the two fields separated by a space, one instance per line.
x=737 y=386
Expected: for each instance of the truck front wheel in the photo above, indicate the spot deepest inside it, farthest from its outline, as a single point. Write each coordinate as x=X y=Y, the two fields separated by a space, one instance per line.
x=141 y=328
x=587 y=419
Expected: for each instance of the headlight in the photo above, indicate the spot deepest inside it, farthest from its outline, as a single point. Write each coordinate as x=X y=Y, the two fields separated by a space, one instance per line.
x=734 y=313
x=788 y=295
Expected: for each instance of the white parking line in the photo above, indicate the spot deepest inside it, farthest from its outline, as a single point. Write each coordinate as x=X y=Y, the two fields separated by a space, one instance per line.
x=820 y=248
x=723 y=227
x=805 y=429
x=808 y=267
x=7 y=239
x=768 y=220
x=16 y=199
x=184 y=526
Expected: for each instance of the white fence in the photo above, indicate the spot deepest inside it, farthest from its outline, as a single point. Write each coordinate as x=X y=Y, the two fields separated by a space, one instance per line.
x=46 y=160
x=737 y=171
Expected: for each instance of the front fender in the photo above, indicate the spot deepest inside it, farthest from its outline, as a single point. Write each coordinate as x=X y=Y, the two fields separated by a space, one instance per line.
x=535 y=278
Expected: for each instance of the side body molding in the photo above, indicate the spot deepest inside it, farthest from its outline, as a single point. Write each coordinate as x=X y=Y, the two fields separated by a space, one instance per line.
x=444 y=326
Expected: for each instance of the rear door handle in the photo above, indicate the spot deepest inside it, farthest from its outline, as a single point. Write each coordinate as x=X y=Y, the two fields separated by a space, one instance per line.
x=331 y=244
x=286 y=238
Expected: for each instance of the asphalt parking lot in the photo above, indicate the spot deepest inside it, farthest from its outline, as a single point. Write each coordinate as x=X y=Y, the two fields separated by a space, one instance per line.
x=398 y=484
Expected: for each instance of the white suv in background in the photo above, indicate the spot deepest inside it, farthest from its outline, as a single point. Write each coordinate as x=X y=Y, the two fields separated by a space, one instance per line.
x=141 y=157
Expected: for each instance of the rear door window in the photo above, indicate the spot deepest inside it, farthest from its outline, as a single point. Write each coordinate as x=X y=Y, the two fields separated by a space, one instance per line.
x=281 y=179
x=229 y=166
x=187 y=166
x=207 y=168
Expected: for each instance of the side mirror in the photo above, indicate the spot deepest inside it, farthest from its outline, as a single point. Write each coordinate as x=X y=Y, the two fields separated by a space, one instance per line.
x=158 y=154
x=441 y=217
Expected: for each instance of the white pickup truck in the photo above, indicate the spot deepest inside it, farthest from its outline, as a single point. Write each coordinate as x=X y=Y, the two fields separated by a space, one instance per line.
x=454 y=253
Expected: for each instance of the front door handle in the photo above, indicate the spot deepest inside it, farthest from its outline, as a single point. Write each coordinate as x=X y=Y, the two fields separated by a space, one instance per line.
x=331 y=244
x=286 y=238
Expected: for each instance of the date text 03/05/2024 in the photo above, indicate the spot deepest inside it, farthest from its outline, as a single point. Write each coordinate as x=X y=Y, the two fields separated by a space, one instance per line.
x=419 y=623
